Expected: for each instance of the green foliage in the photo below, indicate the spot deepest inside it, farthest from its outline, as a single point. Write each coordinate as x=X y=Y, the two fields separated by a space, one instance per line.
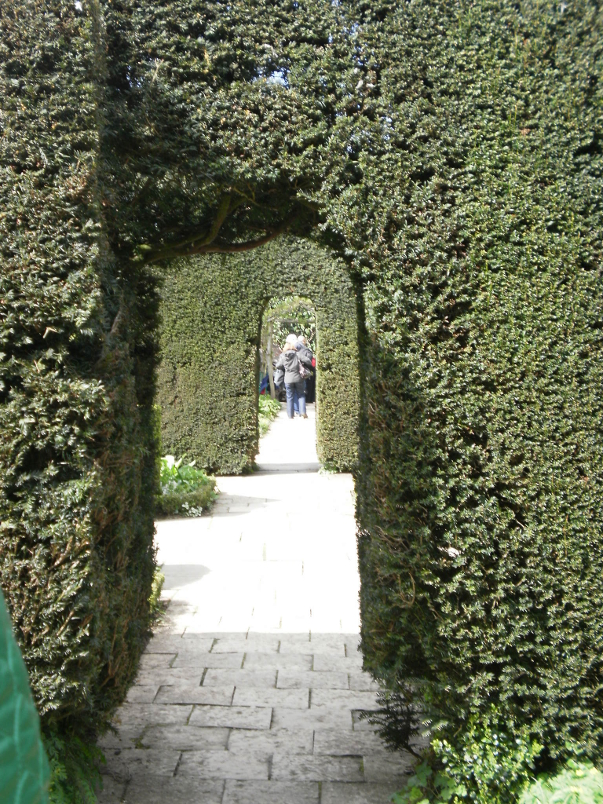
x=451 y=154
x=155 y=597
x=74 y=767
x=427 y=786
x=577 y=783
x=397 y=717
x=291 y=314
x=208 y=377
x=76 y=378
x=489 y=762
x=179 y=477
x=482 y=459
x=268 y=410
x=185 y=489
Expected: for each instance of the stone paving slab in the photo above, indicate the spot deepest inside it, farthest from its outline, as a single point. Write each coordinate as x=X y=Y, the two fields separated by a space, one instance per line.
x=298 y=679
x=321 y=717
x=124 y=764
x=251 y=689
x=241 y=643
x=175 y=790
x=325 y=663
x=254 y=696
x=166 y=676
x=345 y=793
x=346 y=699
x=288 y=661
x=142 y=693
x=223 y=765
x=189 y=661
x=271 y=793
x=232 y=717
x=240 y=678
x=317 y=768
x=362 y=681
x=382 y=768
x=334 y=742
x=112 y=791
x=189 y=692
x=295 y=741
x=141 y=715
x=185 y=738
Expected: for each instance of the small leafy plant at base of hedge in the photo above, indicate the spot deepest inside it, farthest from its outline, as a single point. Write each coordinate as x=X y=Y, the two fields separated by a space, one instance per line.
x=490 y=763
x=185 y=490
x=577 y=783
x=155 y=598
x=74 y=768
x=269 y=409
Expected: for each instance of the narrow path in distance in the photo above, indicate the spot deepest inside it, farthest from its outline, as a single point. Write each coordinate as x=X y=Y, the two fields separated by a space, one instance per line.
x=251 y=688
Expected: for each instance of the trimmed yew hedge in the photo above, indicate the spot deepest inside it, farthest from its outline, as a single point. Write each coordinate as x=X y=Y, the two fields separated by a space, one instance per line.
x=480 y=501
x=451 y=153
x=211 y=314
x=76 y=463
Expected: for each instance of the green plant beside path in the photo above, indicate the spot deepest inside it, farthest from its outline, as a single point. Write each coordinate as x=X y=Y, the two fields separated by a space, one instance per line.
x=577 y=783
x=185 y=490
x=268 y=411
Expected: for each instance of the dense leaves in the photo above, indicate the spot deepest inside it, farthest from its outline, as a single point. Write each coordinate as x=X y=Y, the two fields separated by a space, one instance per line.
x=75 y=486
x=481 y=526
x=451 y=153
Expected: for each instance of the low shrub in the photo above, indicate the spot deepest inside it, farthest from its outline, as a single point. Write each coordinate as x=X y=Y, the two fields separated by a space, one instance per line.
x=269 y=409
x=491 y=762
x=577 y=783
x=398 y=718
x=74 y=767
x=185 y=490
x=155 y=598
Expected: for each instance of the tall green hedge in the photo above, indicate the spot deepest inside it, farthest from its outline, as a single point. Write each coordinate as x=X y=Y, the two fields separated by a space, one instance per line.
x=480 y=506
x=76 y=474
x=451 y=153
x=211 y=314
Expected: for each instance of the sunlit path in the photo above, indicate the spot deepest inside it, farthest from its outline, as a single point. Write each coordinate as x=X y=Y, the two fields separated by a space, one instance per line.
x=249 y=692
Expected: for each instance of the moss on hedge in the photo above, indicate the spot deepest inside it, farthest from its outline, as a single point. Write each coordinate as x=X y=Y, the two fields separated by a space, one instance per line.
x=211 y=314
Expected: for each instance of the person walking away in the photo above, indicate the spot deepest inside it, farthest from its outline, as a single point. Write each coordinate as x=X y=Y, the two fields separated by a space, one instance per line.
x=292 y=338
x=294 y=382
x=310 y=383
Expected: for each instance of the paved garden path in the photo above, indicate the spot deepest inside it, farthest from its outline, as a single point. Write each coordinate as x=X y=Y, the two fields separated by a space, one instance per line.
x=251 y=688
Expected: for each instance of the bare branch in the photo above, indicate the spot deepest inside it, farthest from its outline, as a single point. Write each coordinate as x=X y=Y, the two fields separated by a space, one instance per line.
x=193 y=249
x=225 y=208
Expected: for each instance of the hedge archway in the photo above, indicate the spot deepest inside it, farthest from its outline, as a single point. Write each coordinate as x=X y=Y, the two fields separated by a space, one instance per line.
x=452 y=154
x=211 y=312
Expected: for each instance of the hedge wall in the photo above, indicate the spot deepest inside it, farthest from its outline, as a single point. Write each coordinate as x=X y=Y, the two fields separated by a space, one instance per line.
x=480 y=493
x=76 y=477
x=211 y=314
x=451 y=152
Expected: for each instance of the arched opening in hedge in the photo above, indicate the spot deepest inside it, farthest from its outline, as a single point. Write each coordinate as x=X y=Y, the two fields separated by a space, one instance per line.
x=452 y=153
x=283 y=316
x=211 y=311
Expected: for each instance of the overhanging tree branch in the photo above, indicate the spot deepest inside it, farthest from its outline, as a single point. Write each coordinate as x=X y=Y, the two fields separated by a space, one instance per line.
x=226 y=207
x=193 y=247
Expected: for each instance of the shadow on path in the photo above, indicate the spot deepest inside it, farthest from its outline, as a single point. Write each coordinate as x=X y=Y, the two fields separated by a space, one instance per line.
x=251 y=688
